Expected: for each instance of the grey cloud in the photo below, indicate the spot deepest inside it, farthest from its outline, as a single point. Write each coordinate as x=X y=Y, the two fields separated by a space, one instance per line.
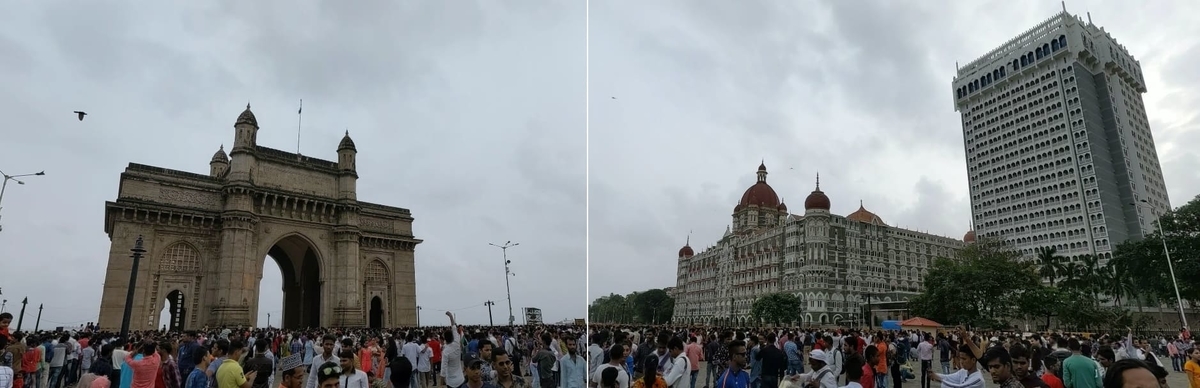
x=857 y=90
x=438 y=98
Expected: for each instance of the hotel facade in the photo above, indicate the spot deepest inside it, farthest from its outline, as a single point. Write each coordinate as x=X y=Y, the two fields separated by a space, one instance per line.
x=839 y=266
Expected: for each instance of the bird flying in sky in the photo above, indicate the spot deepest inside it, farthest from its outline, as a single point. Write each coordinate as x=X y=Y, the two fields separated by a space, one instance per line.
x=81 y=114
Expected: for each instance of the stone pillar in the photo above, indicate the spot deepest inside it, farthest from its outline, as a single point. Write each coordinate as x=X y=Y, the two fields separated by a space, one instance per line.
x=348 y=303
x=404 y=289
x=237 y=276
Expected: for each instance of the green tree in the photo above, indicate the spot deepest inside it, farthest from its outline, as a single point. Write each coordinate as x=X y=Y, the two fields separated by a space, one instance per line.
x=1050 y=264
x=1146 y=262
x=1041 y=301
x=654 y=306
x=982 y=287
x=778 y=308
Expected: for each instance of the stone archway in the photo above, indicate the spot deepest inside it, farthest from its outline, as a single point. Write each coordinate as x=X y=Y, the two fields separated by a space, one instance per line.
x=207 y=237
x=176 y=310
x=376 y=315
x=300 y=266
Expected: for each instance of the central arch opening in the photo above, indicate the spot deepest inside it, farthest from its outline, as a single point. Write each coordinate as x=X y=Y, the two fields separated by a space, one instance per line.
x=376 y=313
x=173 y=313
x=300 y=270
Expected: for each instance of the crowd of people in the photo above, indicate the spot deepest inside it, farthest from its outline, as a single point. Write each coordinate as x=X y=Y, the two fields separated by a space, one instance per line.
x=534 y=356
x=661 y=357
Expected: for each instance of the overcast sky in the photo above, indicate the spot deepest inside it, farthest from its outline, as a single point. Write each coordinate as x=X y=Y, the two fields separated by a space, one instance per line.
x=857 y=90
x=469 y=113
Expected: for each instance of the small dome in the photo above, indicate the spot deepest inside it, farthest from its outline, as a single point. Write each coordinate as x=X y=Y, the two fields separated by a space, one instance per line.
x=247 y=117
x=817 y=200
x=864 y=215
x=220 y=156
x=686 y=251
x=347 y=143
x=782 y=207
x=969 y=237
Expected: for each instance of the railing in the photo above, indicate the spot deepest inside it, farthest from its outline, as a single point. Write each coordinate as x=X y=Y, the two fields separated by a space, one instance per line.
x=166 y=171
x=1036 y=33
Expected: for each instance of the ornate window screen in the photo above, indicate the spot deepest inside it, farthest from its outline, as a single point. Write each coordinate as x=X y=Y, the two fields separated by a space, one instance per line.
x=376 y=273
x=180 y=257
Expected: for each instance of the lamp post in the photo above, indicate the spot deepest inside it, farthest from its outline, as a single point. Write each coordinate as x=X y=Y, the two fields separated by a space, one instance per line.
x=137 y=258
x=14 y=179
x=21 y=319
x=489 y=305
x=418 y=316
x=507 y=288
x=1162 y=232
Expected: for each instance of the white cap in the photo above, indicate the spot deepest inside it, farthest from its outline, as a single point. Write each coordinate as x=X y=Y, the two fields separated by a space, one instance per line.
x=818 y=354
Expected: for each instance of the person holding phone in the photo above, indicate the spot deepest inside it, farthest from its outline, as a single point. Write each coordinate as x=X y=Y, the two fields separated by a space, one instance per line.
x=230 y=373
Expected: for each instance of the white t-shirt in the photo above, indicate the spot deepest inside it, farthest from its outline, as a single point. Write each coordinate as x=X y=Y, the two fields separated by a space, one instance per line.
x=622 y=376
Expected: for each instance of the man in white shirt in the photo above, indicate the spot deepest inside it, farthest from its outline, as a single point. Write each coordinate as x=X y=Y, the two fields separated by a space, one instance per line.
x=452 y=363
x=925 y=354
x=326 y=355
x=821 y=375
x=678 y=375
x=596 y=352
x=614 y=362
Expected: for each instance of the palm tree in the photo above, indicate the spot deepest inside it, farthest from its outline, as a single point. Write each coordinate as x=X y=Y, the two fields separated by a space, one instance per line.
x=1089 y=267
x=1050 y=264
x=1116 y=283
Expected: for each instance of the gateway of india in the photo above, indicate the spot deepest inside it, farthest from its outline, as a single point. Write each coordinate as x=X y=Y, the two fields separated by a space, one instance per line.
x=345 y=263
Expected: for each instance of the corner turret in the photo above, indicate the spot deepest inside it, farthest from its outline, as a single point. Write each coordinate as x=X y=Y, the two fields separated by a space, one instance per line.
x=219 y=164
x=245 y=140
x=348 y=172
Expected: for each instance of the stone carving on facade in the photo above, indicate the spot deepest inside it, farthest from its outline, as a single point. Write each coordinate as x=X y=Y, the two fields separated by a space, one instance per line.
x=185 y=197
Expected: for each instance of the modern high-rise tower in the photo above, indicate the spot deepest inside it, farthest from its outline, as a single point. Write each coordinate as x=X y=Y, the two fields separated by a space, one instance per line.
x=1059 y=149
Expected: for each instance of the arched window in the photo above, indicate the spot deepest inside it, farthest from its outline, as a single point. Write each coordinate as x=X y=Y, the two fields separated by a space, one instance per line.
x=1054 y=45
x=1046 y=49
x=996 y=74
x=1062 y=41
x=1001 y=72
x=180 y=257
x=376 y=274
x=1024 y=61
x=1038 y=52
x=1016 y=64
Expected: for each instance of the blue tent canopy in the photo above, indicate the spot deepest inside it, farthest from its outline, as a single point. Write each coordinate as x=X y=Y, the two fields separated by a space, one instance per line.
x=891 y=325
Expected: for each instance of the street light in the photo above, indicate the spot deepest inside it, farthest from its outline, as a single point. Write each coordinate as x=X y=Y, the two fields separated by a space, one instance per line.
x=14 y=179
x=1162 y=232
x=507 y=273
x=137 y=258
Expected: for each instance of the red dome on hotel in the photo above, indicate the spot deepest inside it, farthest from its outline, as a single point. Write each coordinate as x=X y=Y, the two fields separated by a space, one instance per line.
x=817 y=199
x=686 y=251
x=760 y=194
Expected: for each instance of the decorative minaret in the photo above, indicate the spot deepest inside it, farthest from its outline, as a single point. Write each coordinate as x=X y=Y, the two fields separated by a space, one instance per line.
x=239 y=231
x=348 y=310
x=245 y=139
x=348 y=173
x=219 y=164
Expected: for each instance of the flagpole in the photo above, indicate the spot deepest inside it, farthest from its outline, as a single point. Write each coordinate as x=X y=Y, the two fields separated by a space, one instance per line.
x=299 y=120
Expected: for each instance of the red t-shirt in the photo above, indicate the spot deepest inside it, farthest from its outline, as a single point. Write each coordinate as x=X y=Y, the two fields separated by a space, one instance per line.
x=868 y=377
x=1052 y=380
x=436 y=347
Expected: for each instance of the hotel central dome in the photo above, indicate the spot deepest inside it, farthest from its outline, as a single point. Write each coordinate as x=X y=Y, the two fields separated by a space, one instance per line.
x=760 y=194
